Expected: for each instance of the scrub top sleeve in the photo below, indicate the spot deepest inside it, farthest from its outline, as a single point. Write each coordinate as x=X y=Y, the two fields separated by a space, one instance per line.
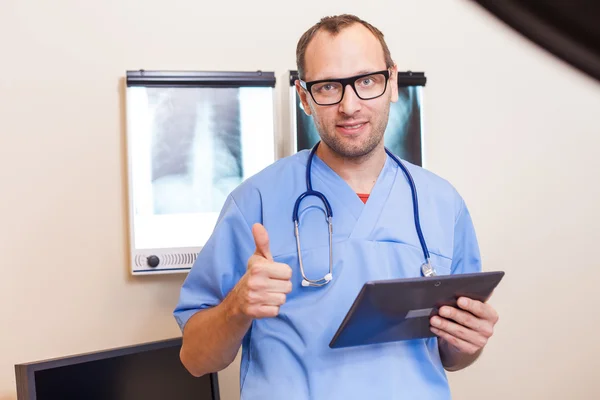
x=219 y=265
x=466 y=256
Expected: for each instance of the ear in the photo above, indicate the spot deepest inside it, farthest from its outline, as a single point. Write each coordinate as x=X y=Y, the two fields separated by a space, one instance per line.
x=303 y=97
x=394 y=83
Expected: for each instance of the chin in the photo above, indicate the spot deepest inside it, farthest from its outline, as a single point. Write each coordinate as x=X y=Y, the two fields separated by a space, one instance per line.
x=353 y=147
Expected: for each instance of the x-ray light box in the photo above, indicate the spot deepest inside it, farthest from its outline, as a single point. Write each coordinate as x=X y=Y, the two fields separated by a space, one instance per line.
x=192 y=137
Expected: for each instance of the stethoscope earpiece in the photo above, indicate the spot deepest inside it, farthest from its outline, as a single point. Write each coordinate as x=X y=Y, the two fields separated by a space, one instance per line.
x=325 y=280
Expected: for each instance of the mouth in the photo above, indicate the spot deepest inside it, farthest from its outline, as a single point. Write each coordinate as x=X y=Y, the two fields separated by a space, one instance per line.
x=351 y=128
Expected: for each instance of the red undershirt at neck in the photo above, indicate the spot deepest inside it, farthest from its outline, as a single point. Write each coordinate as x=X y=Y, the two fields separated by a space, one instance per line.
x=363 y=197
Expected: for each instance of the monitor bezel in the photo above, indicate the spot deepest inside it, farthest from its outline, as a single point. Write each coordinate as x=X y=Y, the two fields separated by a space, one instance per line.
x=25 y=372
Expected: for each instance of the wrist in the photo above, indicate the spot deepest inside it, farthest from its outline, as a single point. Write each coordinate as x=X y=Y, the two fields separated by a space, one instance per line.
x=452 y=358
x=233 y=311
x=448 y=354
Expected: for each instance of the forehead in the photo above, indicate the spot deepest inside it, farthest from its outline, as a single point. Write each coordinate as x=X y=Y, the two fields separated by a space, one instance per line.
x=352 y=51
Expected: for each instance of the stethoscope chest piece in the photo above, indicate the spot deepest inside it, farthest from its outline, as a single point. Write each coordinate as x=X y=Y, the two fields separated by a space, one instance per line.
x=427 y=270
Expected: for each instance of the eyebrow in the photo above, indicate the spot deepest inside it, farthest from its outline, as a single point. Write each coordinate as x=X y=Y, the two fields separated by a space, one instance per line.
x=361 y=72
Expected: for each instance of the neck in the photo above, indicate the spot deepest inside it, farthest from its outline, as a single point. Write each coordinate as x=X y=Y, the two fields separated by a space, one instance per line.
x=360 y=173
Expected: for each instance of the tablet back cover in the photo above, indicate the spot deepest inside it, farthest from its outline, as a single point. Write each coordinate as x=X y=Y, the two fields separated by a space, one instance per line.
x=393 y=310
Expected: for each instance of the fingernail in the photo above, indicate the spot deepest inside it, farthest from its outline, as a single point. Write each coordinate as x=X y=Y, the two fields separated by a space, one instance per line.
x=444 y=312
x=463 y=301
x=435 y=321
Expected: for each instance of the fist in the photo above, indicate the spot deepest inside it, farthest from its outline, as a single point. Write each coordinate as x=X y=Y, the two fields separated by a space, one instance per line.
x=264 y=286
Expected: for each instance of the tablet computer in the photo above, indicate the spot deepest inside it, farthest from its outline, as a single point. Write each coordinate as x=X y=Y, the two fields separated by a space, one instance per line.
x=400 y=309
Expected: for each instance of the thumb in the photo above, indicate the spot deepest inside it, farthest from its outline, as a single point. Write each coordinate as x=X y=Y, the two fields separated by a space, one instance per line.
x=261 y=240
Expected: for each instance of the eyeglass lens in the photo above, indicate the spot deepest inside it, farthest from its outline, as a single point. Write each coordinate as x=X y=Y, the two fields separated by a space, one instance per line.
x=367 y=87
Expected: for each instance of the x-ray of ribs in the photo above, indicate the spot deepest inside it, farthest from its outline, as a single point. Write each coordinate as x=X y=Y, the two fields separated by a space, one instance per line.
x=196 y=149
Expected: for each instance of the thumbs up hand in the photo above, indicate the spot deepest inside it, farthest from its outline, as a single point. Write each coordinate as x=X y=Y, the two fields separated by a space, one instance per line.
x=264 y=286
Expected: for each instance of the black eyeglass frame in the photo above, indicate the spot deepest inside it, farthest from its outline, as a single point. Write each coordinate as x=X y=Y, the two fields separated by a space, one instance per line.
x=345 y=82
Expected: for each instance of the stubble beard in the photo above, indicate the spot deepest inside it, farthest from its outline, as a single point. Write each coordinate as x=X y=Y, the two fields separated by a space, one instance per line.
x=359 y=150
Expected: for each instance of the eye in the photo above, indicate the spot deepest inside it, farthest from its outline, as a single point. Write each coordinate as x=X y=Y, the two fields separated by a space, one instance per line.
x=326 y=87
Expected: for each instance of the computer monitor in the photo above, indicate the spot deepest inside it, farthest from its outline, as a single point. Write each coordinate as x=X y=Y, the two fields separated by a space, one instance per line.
x=404 y=133
x=192 y=137
x=149 y=371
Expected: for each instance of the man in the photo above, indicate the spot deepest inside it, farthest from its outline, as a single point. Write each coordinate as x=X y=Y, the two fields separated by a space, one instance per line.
x=246 y=287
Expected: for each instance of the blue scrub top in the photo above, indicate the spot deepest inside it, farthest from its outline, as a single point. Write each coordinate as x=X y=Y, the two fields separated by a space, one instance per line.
x=288 y=357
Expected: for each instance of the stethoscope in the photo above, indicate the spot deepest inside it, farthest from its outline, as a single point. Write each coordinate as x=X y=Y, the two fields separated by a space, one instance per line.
x=426 y=269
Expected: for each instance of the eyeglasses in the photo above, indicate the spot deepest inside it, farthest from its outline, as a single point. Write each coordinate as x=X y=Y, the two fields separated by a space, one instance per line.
x=327 y=92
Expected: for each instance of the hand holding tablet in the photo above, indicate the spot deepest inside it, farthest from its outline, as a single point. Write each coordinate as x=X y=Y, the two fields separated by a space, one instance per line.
x=405 y=309
x=466 y=327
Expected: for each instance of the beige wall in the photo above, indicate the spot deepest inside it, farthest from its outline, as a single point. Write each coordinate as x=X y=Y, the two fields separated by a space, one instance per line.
x=515 y=130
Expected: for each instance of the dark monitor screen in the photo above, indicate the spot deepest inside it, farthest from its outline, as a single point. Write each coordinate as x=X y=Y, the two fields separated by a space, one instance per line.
x=151 y=372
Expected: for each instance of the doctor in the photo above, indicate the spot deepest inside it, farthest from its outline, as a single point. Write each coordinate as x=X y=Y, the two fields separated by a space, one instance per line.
x=250 y=286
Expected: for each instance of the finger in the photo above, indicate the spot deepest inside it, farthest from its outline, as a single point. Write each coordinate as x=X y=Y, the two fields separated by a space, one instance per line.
x=462 y=317
x=273 y=299
x=279 y=286
x=278 y=271
x=479 y=309
x=258 y=267
x=261 y=240
x=457 y=343
x=263 y=311
x=267 y=311
x=465 y=318
x=459 y=331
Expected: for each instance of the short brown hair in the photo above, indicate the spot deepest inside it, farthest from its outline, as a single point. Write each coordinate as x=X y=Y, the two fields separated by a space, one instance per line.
x=334 y=24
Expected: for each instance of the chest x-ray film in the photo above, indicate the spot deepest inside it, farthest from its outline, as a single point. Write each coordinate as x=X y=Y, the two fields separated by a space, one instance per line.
x=404 y=132
x=192 y=138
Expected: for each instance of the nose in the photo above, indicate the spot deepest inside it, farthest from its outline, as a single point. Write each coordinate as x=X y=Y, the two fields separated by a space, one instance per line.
x=350 y=103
